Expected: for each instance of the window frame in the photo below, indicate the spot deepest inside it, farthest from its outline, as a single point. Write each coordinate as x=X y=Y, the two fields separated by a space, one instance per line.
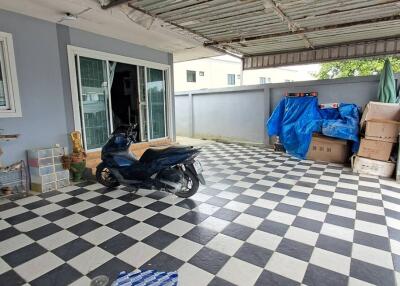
x=74 y=51
x=193 y=73
x=13 y=108
x=230 y=77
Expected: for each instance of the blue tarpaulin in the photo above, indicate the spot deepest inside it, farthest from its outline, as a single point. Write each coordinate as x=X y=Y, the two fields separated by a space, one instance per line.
x=295 y=119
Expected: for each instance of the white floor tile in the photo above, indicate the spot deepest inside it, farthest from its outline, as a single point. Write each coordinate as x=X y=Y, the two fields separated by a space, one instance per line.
x=100 y=235
x=215 y=224
x=240 y=272
x=287 y=266
x=90 y=260
x=183 y=248
x=57 y=239
x=178 y=227
x=140 y=231
x=302 y=235
x=38 y=266
x=225 y=244
x=372 y=255
x=138 y=254
x=190 y=275
x=337 y=231
x=331 y=261
x=264 y=239
x=248 y=220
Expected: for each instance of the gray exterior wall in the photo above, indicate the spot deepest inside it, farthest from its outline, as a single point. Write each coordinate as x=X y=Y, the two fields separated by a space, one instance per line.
x=240 y=113
x=42 y=68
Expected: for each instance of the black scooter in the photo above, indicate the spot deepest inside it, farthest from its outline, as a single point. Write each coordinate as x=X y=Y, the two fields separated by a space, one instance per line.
x=173 y=169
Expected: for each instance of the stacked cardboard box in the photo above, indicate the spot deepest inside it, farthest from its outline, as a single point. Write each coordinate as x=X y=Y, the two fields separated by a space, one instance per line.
x=328 y=149
x=381 y=125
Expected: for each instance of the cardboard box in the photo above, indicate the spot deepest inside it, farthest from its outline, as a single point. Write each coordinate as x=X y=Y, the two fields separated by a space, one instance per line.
x=328 y=149
x=382 y=130
x=381 y=121
x=367 y=166
x=373 y=149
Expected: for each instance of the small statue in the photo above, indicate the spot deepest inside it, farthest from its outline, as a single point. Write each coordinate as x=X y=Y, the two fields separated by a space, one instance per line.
x=76 y=142
x=76 y=162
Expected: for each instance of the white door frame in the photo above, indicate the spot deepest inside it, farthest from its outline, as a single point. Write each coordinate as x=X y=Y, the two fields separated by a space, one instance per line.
x=73 y=51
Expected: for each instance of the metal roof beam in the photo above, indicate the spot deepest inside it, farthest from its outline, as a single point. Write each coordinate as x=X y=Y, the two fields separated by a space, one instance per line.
x=219 y=48
x=350 y=50
x=111 y=3
x=291 y=24
x=307 y=30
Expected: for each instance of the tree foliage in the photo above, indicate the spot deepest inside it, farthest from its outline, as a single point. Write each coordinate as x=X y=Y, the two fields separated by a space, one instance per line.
x=359 y=67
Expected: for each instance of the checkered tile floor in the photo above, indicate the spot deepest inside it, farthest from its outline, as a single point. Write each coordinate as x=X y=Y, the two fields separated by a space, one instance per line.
x=263 y=219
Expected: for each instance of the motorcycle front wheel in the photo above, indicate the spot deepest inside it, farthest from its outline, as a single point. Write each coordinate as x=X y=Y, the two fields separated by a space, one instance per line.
x=190 y=185
x=105 y=177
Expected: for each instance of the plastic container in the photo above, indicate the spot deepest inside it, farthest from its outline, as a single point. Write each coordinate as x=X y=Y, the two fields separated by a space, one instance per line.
x=45 y=179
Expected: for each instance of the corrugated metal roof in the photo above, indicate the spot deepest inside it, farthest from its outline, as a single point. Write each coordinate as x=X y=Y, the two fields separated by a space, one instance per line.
x=259 y=27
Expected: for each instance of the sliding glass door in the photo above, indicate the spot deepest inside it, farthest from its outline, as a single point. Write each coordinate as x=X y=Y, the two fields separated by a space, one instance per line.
x=101 y=99
x=156 y=102
x=94 y=101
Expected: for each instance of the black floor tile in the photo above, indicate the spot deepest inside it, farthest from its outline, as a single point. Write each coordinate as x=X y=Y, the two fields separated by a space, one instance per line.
x=200 y=235
x=24 y=254
x=273 y=227
x=226 y=214
x=317 y=276
x=271 y=278
x=111 y=269
x=72 y=249
x=84 y=227
x=118 y=243
x=160 y=239
x=21 y=218
x=126 y=209
x=59 y=214
x=238 y=231
x=60 y=276
x=163 y=262
x=209 y=260
x=295 y=249
x=93 y=211
x=194 y=217
x=371 y=273
x=11 y=278
x=254 y=254
x=159 y=220
x=333 y=244
x=122 y=223
x=43 y=231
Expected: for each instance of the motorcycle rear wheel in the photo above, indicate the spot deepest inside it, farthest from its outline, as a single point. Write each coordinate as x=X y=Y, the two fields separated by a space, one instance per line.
x=105 y=177
x=190 y=187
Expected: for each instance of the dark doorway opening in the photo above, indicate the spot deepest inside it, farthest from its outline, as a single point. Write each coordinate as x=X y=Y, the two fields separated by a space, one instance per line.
x=124 y=95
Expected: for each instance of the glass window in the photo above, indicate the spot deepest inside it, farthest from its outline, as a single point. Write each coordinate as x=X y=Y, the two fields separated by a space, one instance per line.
x=190 y=76
x=231 y=79
x=263 y=80
x=94 y=102
x=201 y=73
x=3 y=85
x=9 y=96
x=156 y=102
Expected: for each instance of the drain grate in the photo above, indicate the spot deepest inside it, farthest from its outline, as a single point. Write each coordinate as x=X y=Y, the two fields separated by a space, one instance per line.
x=100 y=280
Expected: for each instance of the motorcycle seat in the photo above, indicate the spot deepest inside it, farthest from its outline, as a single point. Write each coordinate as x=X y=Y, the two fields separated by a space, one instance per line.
x=155 y=153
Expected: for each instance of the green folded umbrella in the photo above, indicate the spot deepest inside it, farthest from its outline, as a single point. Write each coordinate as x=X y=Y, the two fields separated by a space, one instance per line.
x=387 y=87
